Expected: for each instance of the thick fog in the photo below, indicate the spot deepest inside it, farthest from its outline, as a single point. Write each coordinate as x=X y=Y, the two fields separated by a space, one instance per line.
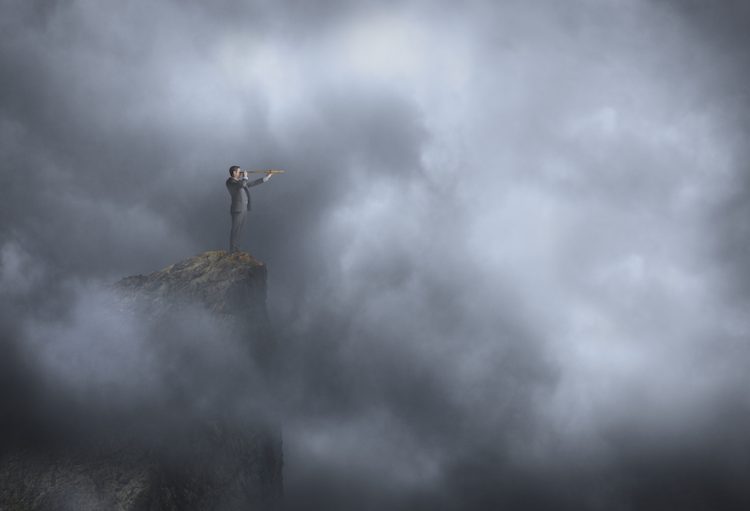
x=507 y=262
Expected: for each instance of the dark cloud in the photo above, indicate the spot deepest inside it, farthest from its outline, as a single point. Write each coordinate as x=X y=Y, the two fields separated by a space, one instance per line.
x=723 y=30
x=506 y=263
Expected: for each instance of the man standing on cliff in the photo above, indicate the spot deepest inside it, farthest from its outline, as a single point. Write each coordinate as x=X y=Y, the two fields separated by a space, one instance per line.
x=238 y=185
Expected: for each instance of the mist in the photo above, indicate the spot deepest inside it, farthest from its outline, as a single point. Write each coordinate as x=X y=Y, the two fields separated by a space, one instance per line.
x=506 y=262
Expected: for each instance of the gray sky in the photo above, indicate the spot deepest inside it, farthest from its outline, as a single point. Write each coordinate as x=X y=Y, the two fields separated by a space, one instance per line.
x=507 y=261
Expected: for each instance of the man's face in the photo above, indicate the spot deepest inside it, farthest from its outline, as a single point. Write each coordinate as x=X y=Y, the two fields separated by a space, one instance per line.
x=236 y=173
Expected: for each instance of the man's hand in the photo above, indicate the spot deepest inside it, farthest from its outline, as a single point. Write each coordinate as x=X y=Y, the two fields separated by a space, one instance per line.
x=267 y=176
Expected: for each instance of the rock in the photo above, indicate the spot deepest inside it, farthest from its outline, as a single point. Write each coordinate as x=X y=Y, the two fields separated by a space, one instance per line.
x=222 y=283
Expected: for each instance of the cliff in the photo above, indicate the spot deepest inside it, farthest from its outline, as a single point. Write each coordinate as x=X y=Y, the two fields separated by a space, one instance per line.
x=222 y=283
x=199 y=440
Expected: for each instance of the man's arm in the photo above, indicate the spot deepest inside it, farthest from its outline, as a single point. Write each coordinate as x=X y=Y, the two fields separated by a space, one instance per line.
x=259 y=181
x=236 y=183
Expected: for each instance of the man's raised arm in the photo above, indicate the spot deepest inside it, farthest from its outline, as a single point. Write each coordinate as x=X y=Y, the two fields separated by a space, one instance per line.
x=259 y=180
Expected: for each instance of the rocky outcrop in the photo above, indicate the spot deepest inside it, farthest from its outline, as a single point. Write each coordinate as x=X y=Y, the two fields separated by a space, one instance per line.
x=172 y=453
x=220 y=282
x=232 y=287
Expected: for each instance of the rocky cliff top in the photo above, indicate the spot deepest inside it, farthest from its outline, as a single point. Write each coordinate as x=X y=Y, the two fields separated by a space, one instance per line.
x=222 y=282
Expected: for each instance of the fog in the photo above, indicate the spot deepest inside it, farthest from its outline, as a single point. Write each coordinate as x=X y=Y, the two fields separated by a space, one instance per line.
x=506 y=262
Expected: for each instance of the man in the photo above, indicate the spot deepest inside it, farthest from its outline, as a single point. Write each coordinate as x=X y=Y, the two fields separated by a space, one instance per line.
x=238 y=185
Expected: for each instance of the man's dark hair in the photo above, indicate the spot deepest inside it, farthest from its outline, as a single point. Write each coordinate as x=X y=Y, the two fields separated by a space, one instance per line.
x=233 y=168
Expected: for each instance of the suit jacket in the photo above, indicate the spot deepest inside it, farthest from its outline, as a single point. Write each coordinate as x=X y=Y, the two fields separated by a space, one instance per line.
x=238 y=190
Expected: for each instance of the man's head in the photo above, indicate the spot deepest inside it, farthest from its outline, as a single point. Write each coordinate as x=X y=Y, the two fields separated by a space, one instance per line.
x=234 y=171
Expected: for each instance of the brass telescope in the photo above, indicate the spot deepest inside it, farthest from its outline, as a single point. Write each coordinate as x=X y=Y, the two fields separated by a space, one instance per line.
x=270 y=171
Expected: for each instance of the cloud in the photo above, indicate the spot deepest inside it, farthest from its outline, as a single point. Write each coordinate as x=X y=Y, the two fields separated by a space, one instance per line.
x=506 y=261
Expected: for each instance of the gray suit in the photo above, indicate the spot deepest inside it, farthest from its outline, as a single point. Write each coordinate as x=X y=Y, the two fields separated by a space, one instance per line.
x=238 y=190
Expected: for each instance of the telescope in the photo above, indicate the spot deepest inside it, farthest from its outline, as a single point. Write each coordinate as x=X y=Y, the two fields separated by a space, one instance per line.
x=270 y=171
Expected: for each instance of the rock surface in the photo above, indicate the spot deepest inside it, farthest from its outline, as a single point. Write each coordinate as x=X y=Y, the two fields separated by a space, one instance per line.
x=223 y=283
x=179 y=457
